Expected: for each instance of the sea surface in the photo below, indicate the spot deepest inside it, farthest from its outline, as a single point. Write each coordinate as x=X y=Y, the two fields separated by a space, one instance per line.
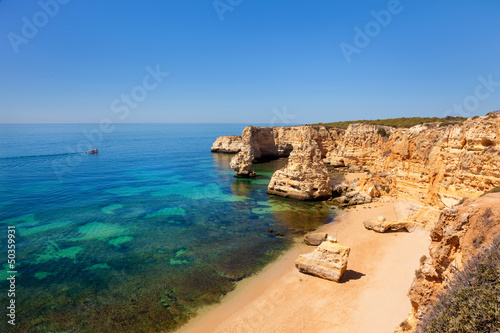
x=138 y=237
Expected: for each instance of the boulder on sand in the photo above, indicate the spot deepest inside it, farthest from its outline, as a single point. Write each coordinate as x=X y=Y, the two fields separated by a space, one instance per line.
x=328 y=261
x=315 y=238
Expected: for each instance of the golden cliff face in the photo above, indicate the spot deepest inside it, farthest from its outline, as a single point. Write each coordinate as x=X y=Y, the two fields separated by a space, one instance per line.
x=227 y=144
x=432 y=165
x=457 y=236
x=264 y=143
x=305 y=177
x=436 y=166
x=428 y=164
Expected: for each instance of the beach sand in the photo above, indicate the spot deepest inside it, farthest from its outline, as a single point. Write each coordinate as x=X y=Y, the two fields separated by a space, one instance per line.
x=370 y=298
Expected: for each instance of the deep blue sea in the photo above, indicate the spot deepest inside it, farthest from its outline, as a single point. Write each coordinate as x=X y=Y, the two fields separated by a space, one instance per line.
x=138 y=237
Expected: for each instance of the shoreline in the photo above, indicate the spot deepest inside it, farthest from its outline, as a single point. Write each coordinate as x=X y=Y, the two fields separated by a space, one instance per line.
x=281 y=299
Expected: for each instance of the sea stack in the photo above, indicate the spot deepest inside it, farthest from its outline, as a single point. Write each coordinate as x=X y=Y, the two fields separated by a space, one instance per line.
x=242 y=162
x=305 y=177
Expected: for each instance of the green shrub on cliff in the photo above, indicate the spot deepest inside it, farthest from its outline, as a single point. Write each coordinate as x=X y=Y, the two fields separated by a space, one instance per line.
x=493 y=190
x=397 y=122
x=472 y=303
x=382 y=132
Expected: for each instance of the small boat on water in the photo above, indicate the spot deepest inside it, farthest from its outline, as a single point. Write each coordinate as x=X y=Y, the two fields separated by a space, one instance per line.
x=93 y=151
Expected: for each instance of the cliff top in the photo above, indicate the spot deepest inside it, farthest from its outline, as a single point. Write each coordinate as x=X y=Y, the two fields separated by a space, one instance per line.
x=398 y=122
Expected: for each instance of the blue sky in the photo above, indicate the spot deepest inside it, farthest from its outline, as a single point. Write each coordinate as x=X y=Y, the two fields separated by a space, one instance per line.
x=269 y=62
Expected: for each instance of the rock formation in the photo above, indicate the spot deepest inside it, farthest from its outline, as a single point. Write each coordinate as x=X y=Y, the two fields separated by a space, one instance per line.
x=243 y=161
x=378 y=225
x=354 y=198
x=227 y=144
x=434 y=165
x=328 y=261
x=274 y=142
x=459 y=233
x=305 y=177
x=315 y=238
x=426 y=163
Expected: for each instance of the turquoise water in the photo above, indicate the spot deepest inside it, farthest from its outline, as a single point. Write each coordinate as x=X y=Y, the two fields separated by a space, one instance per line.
x=138 y=237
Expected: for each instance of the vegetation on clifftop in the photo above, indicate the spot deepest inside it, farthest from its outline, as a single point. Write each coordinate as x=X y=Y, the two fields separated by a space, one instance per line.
x=472 y=303
x=493 y=190
x=397 y=122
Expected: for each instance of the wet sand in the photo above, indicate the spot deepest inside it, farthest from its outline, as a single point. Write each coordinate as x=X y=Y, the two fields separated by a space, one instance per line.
x=370 y=298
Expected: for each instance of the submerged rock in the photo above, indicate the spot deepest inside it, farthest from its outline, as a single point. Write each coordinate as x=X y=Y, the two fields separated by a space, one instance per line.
x=328 y=261
x=227 y=144
x=305 y=177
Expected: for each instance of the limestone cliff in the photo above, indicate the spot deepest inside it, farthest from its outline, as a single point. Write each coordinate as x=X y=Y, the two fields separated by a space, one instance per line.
x=428 y=164
x=227 y=144
x=434 y=165
x=242 y=162
x=305 y=177
x=268 y=143
x=458 y=235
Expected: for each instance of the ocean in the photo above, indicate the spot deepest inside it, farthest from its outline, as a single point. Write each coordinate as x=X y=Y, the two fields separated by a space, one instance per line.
x=137 y=237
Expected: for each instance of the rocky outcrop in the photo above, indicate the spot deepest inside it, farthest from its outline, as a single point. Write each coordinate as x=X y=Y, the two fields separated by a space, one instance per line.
x=305 y=177
x=243 y=161
x=428 y=164
x=328 y=261
x=353 y=198
x=227 y=144
x=382 y=225
x=268 y=143
x=315 y=238
x=459 y=234
x=360 y=145
x=434 y=165
x=262 y=140
x=378 y=224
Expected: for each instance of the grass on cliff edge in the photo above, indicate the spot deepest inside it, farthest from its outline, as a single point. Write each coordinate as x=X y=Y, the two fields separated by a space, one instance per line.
x=397 y=122
x=472 y=303
x=493 y=190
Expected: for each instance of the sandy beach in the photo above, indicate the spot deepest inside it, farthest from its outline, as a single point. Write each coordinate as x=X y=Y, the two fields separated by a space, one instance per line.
x=370 y=298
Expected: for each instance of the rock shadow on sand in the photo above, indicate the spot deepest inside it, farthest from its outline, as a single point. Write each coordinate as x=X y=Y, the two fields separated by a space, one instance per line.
x=351 y=275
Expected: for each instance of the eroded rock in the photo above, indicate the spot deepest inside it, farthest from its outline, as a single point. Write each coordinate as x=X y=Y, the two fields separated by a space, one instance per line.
x=227 y=144
x=305 y=177
x=328 y=261
x=459 y=234
x=430 y=164
x=316 y=238
x=397 y=225
x=354 y=198
x=242 y=162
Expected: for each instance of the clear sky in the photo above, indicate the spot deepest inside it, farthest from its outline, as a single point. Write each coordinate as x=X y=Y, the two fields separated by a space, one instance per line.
x=246 y=61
